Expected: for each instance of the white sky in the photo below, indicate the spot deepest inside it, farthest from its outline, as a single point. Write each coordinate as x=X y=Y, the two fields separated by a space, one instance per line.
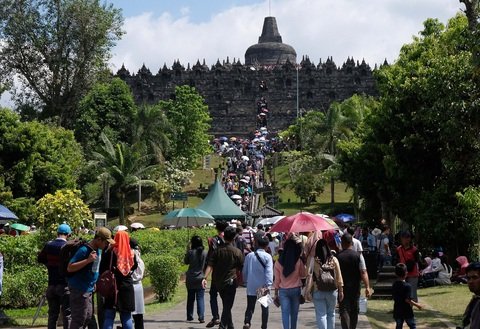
x=161 y=31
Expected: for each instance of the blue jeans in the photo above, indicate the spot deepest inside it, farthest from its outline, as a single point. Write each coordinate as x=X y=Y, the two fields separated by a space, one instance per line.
x=199 y=295
x=289 y=303
x=324 y=302
x=410 y=322
x=109 y=318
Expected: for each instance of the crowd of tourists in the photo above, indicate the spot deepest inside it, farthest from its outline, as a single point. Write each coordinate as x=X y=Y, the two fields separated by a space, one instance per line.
x=285 y=269
x=243 y=255
x=111 y=265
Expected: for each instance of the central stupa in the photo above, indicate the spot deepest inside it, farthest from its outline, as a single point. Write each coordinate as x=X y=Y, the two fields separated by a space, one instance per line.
x=270 y=50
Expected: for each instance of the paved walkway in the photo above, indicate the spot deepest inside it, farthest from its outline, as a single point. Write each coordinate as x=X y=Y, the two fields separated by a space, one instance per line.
x=175 y=318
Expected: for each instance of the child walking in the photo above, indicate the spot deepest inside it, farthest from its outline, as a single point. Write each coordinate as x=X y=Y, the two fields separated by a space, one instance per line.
x=403 y=302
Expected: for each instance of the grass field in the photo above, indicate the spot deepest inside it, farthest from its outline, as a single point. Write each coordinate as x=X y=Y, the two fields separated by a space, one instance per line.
x=444 y=306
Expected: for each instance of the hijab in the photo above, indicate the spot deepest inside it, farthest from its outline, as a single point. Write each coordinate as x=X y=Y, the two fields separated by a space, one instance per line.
x=124 y=254
x=289 y=257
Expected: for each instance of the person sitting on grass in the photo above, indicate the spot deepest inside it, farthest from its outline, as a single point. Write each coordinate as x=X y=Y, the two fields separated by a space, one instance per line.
x=403 y=302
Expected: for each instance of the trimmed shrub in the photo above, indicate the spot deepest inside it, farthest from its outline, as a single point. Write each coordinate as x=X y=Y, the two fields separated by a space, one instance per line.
x=24 y=287
x=19 y=251
x=164 y=271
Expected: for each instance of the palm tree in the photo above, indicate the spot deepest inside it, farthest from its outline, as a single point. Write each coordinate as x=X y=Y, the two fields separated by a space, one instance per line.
x=151 y=128
x=341 y=120
x=124 y=166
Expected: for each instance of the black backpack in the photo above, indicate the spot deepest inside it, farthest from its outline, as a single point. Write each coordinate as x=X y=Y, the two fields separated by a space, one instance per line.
x=67 y=251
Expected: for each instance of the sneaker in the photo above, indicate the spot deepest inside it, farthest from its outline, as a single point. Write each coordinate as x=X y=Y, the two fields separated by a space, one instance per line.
x=246 y=326
x=201 y=320
x=214 y=322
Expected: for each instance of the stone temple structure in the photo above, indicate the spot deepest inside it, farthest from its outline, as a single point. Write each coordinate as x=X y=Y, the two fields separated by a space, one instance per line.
x=270 y=70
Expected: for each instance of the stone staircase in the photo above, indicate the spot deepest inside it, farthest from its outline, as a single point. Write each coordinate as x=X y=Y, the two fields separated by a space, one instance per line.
x=383 y=286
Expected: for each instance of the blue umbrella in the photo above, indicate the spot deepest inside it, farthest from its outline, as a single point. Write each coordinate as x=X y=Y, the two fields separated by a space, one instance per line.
x=6 y=213
x=345 y=217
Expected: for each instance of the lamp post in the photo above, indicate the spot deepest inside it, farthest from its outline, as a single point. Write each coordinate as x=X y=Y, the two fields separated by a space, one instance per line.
x=298 y=112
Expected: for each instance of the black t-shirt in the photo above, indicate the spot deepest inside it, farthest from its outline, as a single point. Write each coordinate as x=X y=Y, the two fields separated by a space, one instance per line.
x=401 y=291
x=349 y=261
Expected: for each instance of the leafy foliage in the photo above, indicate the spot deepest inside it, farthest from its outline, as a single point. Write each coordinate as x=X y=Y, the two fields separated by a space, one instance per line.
x=421 y=146
x=63 y=206
x=36 y=159
x=188 y=114
x=164 y=273
x=56 y=49
x=19 y=251
x=24 y=288
x=109 y=108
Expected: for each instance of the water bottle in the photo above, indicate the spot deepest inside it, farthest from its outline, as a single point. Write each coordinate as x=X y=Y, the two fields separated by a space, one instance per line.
x=96 y=262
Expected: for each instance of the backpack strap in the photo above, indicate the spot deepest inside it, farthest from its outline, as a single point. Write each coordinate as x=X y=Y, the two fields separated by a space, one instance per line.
x=259 y=259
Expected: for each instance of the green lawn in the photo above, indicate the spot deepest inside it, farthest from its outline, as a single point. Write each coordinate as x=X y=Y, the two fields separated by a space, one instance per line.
x=442 y=302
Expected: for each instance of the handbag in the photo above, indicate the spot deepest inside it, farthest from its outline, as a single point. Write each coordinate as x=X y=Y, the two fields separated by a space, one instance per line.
x=326 y=280
x=107 y=284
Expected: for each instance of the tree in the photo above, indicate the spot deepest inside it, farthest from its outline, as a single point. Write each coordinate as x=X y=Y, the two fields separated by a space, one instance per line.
x=190 y=121
x=56 y=48
x=36 y=159
x=151 y=129
x=124 y=166
x=65 y=206
x=109 y=108
x=421 y=146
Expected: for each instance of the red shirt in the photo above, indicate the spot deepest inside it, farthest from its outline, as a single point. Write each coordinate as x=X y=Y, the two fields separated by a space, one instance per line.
x=408 y=254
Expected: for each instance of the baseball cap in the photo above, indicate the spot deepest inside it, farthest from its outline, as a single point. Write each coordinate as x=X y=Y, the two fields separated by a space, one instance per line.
x=64 y=229
x=105 y=233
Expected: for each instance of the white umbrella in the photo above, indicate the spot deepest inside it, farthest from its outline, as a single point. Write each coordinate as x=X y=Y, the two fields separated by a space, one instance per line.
x=235 y=197
x=137 y=225
x=271 y=220
x=120 y=228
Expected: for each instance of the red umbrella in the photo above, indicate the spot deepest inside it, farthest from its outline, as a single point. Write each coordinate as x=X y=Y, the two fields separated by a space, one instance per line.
x=302 y=222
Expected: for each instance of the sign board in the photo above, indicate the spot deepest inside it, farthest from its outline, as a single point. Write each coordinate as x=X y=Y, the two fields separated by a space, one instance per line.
x=179 y=196
x=100 y=219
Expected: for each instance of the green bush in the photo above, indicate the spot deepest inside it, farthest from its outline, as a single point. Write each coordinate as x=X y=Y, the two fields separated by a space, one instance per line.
x=24 y=287
x=19 y=251
x=164 y=271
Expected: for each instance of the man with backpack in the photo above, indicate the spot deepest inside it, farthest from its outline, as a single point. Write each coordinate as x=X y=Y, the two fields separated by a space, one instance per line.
x=57 y=292
x=213 y=244
x=84 y=270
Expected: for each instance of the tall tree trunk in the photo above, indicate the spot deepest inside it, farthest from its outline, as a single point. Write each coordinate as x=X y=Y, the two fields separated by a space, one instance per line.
x=332 y=193
x=121 y=210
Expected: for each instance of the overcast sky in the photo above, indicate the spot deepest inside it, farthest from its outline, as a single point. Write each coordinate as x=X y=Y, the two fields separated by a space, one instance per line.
x=161 y=31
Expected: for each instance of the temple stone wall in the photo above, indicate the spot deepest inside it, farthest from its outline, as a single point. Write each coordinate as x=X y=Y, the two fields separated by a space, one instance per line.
x=231 y=90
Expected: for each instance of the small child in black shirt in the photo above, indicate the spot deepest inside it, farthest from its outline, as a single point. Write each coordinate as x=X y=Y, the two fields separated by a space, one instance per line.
x=401 y=292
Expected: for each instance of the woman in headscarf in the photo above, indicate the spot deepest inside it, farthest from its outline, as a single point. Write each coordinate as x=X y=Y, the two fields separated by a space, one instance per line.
x=123 y=264
x=289 y=273
x=325 y=301
x=459 y=276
